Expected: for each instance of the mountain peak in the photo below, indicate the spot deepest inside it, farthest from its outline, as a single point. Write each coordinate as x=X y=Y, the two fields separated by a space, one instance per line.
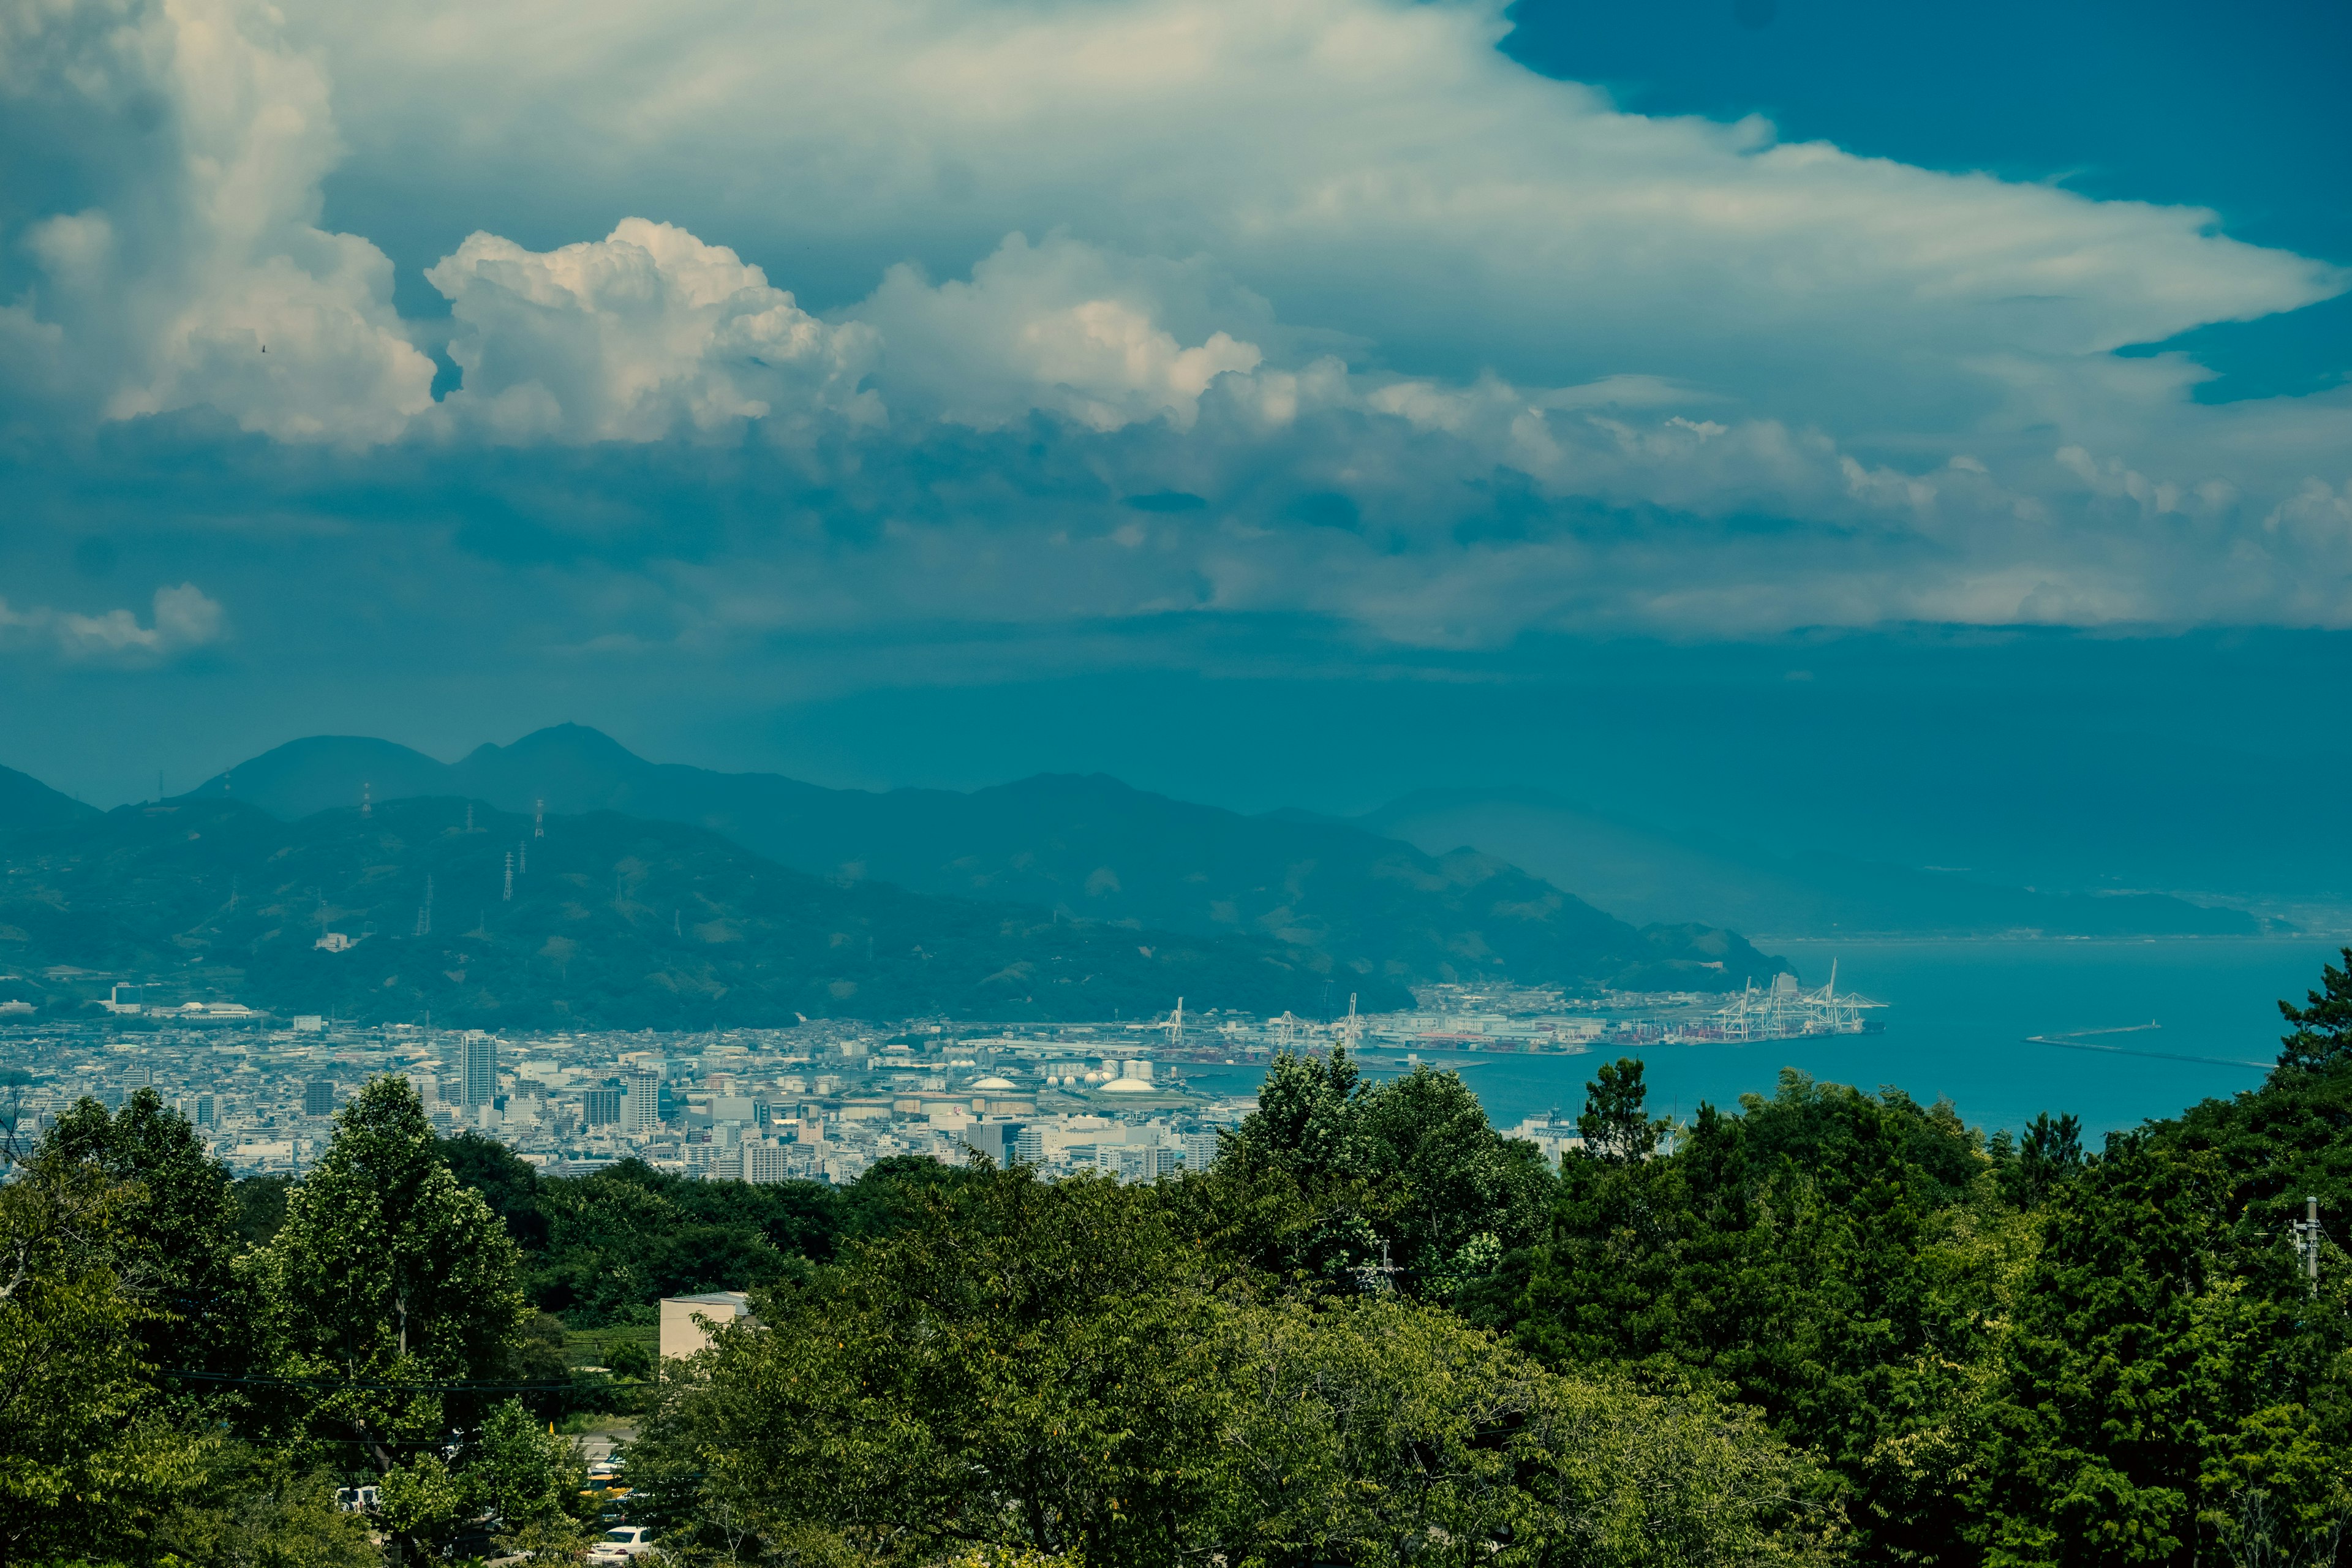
x=567 y=742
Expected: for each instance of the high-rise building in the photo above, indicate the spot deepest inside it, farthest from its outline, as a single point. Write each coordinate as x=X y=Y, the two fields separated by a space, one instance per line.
x=1199 y=1149
x=207 y=1110
x=640 y=1108
x=765 y=1164
x=603 y=1109
x=1029 y=1146
x=998 y=1141
x=319 y=1097
x=481 y=1070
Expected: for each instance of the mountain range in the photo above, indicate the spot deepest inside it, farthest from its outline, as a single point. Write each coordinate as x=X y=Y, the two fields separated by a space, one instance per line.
x=445 y=908
x=1349 y=903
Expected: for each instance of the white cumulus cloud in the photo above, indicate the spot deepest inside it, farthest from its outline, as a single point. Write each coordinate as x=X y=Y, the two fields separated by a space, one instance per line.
x=195 y=270
x=182 y=617
x=1025 y=310
x=636 y=336
x=1062 y=326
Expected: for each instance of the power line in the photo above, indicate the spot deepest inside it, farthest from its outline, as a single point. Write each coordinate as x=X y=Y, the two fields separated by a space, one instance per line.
x=455 y=1386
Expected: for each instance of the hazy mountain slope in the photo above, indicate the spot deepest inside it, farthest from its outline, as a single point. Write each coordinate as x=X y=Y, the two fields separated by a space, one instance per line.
x=615 y=922
x=1651 y=874
x=26 y=803
x=321 y=772
x=1353 y=902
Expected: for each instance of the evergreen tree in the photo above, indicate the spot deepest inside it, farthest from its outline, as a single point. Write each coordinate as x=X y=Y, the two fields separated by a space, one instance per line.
x=1614 y=1126
x=2323 y=1028
x=2050 y=1152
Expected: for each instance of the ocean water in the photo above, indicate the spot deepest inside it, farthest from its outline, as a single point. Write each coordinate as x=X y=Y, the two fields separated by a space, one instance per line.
x=1957 y=1022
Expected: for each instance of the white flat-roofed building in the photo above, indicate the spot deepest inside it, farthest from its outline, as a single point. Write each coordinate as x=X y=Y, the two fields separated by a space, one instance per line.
x=687 y=1321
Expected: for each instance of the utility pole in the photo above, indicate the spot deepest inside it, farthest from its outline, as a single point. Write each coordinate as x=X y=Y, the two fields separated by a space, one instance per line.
x=2307 y=1240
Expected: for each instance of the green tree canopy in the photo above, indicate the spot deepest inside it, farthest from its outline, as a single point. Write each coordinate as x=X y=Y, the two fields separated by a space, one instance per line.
x=1332 y=1176
x=178 y=1218
x=1614 y=1125
x=1060 y=1369
x=2323 y=1027
x=388 y=1278
x=90 y=1451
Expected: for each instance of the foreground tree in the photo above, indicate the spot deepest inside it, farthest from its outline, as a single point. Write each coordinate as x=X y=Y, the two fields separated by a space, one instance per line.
x=387 y=1281
x=1013 y=1371
x=177 y=1221
x=89 y=1451
x=2323 y=1027
x=1615 y=1124
x=1834 y=1260
x=1058 y=1369
x=256 y=1508
x=1332 y=1178
x=1375 y=1431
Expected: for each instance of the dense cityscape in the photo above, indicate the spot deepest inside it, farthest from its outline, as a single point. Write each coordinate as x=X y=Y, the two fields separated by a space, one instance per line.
x=822 y=1100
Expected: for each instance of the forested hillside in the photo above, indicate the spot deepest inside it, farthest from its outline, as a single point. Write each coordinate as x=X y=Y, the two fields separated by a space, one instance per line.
x=1823 y=1326
x=607 y=922
x=1343 y=900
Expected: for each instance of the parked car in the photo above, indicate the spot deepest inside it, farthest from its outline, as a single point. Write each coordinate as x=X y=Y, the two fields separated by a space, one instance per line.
x=623 y=1544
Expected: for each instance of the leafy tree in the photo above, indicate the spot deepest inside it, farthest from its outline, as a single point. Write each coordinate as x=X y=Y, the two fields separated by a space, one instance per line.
x=178 y=1218
x=1455 y=1194
x=387 y=1279
x=527 y=1482
x=1332 y=1177
x=261 y=1207
x=1011 y=1371
x=89 y=1451
x=1613 y=1125
x=505 y=1181
x=2323 y=1028
x=1305 y=1122
x=623 y=1239
x=1054 y=1370
x=255 y=1508
x=1377 y=1431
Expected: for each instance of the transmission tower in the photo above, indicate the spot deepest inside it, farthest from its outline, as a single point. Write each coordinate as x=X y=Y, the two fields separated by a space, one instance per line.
x=2308 y=1239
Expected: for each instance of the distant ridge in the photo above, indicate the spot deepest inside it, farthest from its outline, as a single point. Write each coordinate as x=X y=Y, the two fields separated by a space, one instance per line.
x=1349 y=903
x=1653 y=874
x=25 y=802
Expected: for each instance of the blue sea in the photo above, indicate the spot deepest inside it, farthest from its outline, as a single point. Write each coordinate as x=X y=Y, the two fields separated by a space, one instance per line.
x=1957 y=1020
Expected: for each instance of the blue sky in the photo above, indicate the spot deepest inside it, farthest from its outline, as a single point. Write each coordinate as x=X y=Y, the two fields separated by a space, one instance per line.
x=2239 y=112
x=837 y=389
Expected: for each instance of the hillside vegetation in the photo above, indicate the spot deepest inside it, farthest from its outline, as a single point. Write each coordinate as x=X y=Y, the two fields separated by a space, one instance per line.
x=1822 y=1327
x=614 y=922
